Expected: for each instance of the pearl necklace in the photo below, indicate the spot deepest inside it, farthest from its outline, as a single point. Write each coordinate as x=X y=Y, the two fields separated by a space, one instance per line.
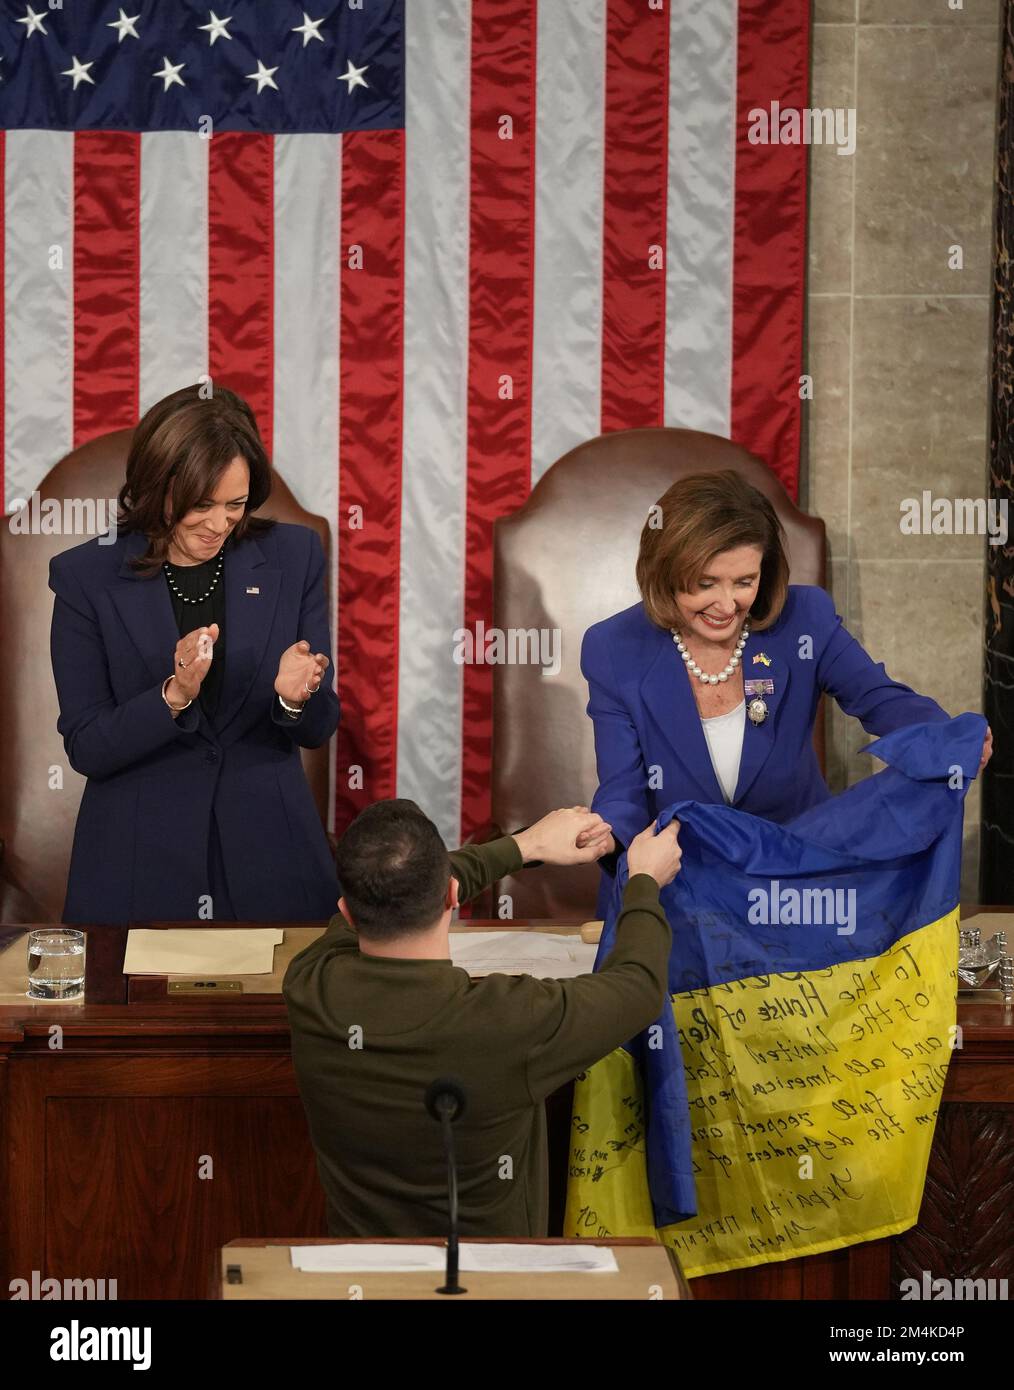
x=178 y=591
x=703 y=676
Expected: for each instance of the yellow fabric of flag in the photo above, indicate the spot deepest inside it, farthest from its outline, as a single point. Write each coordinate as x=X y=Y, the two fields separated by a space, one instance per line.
x=812 y=1103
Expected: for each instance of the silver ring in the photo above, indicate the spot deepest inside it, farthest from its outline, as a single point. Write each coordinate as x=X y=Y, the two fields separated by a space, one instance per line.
x=180 y=661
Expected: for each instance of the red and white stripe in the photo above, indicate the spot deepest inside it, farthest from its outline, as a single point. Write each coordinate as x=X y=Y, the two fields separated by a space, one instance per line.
x=624 y=258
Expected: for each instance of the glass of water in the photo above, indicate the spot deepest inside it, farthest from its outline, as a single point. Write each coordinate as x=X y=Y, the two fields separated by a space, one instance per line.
x=56 y=963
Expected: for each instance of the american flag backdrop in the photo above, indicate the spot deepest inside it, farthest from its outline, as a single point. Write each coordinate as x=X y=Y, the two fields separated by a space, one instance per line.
x=435 y=244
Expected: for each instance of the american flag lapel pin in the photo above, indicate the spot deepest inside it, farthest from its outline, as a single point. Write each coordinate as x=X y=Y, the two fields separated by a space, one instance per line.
x=253 y=590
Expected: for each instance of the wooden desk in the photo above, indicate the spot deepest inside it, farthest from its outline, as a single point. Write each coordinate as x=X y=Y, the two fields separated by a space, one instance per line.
x=645 y=1272
x=150 y=1132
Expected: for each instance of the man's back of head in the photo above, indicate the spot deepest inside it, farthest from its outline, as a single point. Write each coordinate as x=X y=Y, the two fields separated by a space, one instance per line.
x=394 y=870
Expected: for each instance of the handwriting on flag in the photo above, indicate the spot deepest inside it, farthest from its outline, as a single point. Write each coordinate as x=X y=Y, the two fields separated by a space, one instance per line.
x=812 y=1098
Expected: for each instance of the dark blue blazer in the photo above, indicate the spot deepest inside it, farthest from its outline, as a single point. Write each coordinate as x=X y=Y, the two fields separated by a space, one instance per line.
x=141 y=843
x=650 y=747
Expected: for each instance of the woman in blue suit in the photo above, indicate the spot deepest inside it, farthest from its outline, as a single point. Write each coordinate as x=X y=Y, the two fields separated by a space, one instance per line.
x=189 y=651
x=708 y=689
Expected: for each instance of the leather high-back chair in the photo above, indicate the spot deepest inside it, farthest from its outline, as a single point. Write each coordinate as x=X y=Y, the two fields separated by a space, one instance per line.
x=564 y=561
x=37 y=820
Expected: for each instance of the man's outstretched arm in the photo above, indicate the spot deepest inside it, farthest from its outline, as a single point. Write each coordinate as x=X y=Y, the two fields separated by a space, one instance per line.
x=551 y=840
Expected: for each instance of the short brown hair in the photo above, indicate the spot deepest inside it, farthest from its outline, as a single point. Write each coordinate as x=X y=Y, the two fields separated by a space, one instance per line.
x=189 y=438
x=703 y=515
x=393 y=869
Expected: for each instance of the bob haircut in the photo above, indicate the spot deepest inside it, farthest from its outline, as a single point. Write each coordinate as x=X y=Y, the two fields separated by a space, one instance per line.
x=703 y=515
x=189 y=439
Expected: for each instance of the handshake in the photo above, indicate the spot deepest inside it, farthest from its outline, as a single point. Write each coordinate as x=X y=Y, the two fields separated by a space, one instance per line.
x=575 y=835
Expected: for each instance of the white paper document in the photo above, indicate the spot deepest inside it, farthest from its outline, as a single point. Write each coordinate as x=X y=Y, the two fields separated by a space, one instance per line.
x=546 y=955
x=473 y=1256
x=207 y=952
x=535 y=1259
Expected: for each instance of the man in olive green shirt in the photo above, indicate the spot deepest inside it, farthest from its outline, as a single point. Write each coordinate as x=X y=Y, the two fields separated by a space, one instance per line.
x=378 y=1012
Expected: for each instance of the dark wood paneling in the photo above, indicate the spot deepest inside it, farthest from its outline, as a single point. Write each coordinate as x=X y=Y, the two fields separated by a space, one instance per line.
x=130 y=1192
x=996 y=863
x=966 y=1227
x=104 y=1179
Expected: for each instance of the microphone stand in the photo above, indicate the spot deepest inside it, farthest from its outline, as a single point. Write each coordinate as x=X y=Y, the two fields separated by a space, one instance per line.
x=445 y=1100
x=451 y=1285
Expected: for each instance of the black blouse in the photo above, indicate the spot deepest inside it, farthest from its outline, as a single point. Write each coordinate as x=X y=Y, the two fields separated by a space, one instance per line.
x=193 y=581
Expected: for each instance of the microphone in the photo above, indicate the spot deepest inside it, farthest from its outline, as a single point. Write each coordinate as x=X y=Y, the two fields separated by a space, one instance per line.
x=445 y=1101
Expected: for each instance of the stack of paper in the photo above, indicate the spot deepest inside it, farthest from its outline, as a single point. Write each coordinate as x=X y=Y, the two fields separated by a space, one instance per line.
x=207 y=953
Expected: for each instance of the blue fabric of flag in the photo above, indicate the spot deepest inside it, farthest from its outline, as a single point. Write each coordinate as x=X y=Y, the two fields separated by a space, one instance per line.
x=894 y=839
x=122 y=90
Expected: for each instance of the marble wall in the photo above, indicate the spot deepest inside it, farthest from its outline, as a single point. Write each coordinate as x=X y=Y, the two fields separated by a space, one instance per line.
x=898 y=339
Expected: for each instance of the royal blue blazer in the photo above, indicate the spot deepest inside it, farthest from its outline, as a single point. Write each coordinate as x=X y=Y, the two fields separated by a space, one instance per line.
x=650 y=747
x=154 y=782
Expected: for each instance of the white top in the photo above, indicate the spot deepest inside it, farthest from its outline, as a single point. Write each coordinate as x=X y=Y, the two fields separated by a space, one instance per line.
x=724 y=735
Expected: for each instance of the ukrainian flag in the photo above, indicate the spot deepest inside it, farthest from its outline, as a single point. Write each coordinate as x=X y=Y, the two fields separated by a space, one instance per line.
x=786 y=1103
